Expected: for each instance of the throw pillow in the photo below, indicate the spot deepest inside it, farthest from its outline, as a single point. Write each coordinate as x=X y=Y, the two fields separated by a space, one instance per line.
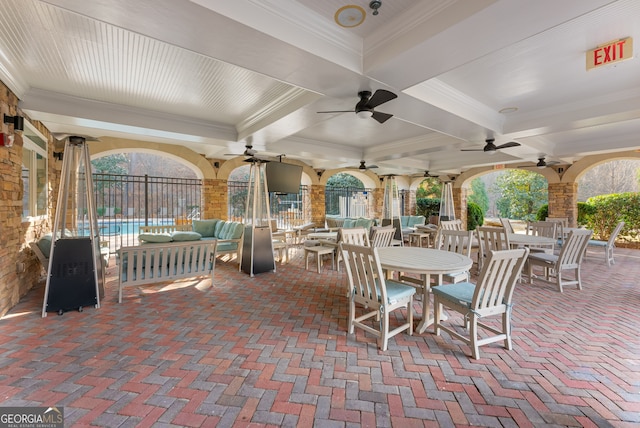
x=154 y=237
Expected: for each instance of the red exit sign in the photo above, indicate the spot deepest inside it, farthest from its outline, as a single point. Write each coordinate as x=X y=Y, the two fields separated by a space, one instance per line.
x=611 y=52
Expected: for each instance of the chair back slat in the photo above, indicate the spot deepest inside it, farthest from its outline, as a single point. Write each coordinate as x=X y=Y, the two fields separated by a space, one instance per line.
x=612 y=238
x=547 y=229
x=574 y=248
x=382 y=236
x=451 y=224
x=364 y=272
x=497 y=280
x=491 y=239
x=506 y=223
x=456 y=241
x=356 y=235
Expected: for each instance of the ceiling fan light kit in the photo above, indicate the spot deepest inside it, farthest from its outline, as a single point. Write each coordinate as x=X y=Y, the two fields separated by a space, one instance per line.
x=375 y=5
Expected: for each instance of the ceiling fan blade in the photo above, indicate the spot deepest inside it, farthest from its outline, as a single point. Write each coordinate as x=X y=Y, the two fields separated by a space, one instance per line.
x=381 y=96
x=372 y=166
x=336 y=111
x=381 y=117
x=507 y=145
x=472 y=150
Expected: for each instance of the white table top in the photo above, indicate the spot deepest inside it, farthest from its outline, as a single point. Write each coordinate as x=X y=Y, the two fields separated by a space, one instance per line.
x=323 y=235
x=422 y=260
x=521 y=239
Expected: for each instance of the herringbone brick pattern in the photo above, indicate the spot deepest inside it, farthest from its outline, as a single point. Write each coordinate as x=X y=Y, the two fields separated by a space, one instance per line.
x=273 y=351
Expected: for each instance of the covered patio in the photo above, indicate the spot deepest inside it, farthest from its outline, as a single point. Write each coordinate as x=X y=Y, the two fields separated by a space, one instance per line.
x=273 y=351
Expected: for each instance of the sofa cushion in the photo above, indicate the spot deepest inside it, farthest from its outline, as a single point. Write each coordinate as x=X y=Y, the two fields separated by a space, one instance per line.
x=180 y=236
x=206 y=228
x=44 y=243
x=219 y=226
x=349 y=223
x=155 y=237
x=364 y=222
x=226 y=246
x=415 y=220
x=236 y=230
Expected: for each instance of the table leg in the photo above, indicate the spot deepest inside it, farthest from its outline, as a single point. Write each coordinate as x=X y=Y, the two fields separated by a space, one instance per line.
x=427 y=319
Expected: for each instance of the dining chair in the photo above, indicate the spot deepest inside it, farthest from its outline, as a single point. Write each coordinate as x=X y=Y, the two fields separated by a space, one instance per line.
x=382 y=236
x=456 y=241
x=491 y=295
x=570 y=258
x=355 y=235
x=451 y=224
x=609 y=244
x=548 y=229
x=369 y=289
x=506 y=223
x=563 y=223
x=491 y=239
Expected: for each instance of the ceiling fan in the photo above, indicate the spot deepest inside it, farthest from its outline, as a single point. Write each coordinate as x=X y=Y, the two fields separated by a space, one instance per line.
x=542 y=163
x=426 y=174
x=365 y=107
x=363 y=166
x=248 y=151
x=491 y=148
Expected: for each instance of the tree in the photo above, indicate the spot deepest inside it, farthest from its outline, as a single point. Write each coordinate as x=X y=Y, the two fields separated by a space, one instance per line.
x=522 y=194
x=618 y=176
x=429 y=188
x=479 y=195
x=112 y=164
x=342 y=179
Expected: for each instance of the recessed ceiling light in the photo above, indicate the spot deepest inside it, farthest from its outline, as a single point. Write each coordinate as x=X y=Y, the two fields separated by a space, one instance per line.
x=507 y=110
x=350 y=16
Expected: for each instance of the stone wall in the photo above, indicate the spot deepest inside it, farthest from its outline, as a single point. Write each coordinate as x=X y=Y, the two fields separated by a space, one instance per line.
x=316 y=205
x=20 y=270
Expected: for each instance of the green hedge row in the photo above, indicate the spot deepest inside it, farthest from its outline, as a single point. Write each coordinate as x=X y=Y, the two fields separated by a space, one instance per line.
x=602 y=213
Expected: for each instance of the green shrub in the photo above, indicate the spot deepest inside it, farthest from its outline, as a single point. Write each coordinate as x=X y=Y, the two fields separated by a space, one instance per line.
x=608 y=210
x=100 y=211
x=543 y=213
x=475 y=216
x=585 y=211
x=428 y=207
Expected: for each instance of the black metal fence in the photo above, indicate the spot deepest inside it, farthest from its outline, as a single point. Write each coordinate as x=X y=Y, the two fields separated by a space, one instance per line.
x=349 y=202
x=126 y=202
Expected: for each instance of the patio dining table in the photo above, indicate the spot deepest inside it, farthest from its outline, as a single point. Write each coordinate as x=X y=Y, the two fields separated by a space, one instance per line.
x=516 y=239
x=425 y=262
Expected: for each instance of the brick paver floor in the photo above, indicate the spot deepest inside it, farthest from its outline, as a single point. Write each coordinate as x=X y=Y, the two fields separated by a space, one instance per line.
x=273 y=351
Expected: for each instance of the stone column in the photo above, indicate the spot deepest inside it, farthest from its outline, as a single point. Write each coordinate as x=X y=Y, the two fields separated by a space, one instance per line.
x=563 y=201
x=378 y=202
x=215 y=199
x=316 y=205
x=460 y=204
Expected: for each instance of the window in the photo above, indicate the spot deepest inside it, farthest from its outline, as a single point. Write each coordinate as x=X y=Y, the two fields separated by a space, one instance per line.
x=34 y=173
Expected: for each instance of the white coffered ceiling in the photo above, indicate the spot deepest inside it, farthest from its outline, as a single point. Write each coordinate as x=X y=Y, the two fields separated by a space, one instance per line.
x=213 y=75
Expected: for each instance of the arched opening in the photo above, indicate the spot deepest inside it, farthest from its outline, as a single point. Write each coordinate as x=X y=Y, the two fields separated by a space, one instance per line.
x=347 y=196
x=287 y=209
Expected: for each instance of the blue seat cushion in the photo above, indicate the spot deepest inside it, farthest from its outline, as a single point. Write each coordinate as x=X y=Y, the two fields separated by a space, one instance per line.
x=226 y=246
x=597 y=243
x=462 y=292
x=397 y=291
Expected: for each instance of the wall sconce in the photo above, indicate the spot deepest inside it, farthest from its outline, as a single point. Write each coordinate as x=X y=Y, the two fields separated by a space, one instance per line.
x=17 y=121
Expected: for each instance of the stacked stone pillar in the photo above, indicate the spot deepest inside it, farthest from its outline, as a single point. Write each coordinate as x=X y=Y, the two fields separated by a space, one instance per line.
x=215 y=199
x=563 y=201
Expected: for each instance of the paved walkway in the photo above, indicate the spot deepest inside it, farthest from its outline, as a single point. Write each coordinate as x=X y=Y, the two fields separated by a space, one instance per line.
x=273 y=351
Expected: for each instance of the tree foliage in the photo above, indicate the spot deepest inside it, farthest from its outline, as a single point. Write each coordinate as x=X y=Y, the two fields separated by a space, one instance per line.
x=479 y=195
x=427 y=206
x=112 y=164
x=609 y=178
x=429 y=188
x=475 y=216
x=522 y=193
x=343 y=179
x=610 y=209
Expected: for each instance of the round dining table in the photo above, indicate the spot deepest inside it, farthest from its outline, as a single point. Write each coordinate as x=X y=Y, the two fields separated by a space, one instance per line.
x=424 y=262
